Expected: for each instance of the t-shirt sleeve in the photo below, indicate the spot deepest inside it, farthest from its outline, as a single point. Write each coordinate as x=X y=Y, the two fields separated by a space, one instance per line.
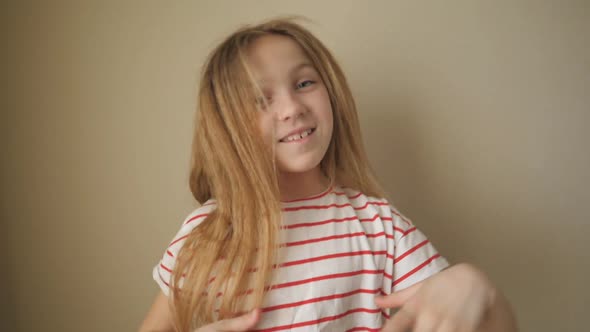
x=414 y=257
x=162 y=272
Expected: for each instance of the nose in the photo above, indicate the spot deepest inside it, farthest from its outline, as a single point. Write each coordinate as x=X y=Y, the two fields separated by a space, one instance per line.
x=290 y=107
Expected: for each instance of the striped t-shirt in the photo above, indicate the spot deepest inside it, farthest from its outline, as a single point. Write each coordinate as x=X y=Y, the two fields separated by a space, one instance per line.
x=343 y=248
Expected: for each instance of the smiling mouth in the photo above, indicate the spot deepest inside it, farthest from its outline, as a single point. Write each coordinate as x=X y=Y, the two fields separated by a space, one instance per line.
x=297 y=137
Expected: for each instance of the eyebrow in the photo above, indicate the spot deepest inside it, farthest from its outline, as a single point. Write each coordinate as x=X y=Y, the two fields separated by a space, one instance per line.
x=301 y=66
x=292 y=70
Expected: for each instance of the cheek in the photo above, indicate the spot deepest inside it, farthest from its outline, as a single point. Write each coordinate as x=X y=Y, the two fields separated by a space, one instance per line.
x=266 y=127
x=328 y=119
x=326 y=112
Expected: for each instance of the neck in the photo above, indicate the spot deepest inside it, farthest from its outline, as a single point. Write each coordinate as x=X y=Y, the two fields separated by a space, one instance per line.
x=300 y=185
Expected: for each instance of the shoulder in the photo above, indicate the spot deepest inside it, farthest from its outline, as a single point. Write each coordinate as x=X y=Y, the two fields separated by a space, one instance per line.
x=199 y=214
x=361 y=200
x=190 y=222
x=335 y=197
x=162 y=272
x=353 y=194
x=381 y=206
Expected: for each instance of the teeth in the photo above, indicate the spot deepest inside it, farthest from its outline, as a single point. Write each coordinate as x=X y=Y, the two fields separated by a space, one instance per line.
x=298 y=136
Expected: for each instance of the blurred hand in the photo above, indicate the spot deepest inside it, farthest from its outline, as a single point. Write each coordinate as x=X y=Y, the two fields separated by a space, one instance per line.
x=237 y=324
x=456 y=299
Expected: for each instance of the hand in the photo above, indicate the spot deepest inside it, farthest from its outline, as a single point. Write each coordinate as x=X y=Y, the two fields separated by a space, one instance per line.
x=456 y=299
x=237 y=324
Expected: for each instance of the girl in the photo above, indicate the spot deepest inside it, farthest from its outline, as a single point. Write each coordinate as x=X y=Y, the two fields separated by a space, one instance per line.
x=294 y=233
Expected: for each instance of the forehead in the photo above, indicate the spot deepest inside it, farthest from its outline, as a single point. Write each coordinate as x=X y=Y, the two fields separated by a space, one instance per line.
x=272 y=56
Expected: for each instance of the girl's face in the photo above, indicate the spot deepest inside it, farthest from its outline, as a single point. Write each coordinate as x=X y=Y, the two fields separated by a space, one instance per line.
x=298 y=116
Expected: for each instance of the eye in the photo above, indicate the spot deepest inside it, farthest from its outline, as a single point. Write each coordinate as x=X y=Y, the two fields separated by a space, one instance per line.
x=304 y=84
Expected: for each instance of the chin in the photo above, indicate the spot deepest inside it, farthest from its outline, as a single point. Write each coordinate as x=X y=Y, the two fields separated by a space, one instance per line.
x=298 y=167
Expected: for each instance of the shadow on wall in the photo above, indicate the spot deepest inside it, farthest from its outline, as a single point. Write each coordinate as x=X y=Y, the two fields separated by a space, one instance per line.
x=7 y=322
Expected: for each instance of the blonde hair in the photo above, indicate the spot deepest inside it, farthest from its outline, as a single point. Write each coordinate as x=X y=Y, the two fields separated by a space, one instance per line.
x=233 y=251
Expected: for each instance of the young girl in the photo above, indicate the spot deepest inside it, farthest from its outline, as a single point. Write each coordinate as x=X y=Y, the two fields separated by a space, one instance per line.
x=294 y=233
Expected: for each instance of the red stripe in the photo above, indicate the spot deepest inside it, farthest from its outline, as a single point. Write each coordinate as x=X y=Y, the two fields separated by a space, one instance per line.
x=317 y=223
x=408 y=232
x=339 y=193
x=321 y=207
x=316 y=207
x=323 y=222
x=338 y=255
x=362 y=328
x=416 y=269
x=395 y=228
x=371 y=203
x=320 y=278
x=169 y=253
x=164 y=281
x=355 y=196
x=325 y=277
x=416 y=247
x=327 y=238
x=165 y=267
x=179 y=239
x=404 y=219
x=369 y=219
x=329 y=190
x=320 y=299
x=377 y=234
x=196 y=217
x=169 y=269
x=321 y=320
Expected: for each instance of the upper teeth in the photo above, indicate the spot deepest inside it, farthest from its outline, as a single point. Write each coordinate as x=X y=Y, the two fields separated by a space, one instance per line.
x=298 y=136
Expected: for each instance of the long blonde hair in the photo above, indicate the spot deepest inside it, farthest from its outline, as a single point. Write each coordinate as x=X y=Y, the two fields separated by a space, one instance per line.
x=233 y=251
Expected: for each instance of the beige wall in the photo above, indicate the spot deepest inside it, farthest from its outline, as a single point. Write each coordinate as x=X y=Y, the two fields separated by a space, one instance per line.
x=475 y=116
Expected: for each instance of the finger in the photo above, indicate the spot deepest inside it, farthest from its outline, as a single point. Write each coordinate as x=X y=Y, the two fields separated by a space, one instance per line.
x=447 y=326
x=397 y=299
x=402 y=321
x=426 y=323
x=240 y=323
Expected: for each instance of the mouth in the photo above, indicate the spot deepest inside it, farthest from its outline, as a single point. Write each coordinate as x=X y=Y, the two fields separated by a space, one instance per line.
x=298 y=136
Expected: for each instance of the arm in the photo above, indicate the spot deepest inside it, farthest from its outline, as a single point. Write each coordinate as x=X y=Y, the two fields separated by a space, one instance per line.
x=460 y=298
x=499 y=316
x=159 y=318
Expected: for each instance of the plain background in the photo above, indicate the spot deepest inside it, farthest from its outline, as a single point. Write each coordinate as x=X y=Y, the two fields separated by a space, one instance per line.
x=475 y=115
